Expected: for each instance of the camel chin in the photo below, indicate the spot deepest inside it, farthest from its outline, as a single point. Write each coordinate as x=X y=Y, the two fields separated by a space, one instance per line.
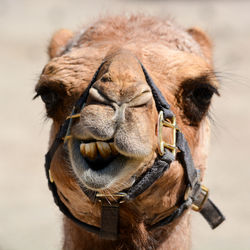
x=99 y=165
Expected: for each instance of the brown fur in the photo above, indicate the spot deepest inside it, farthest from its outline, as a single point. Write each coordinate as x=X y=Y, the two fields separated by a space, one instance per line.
x=171 y=56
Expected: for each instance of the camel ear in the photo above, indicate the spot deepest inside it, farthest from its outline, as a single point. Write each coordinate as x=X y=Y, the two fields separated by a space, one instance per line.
x=204 y=41
x=58 y=41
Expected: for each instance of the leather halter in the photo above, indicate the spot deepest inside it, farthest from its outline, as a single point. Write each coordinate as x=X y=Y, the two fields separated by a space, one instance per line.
x=196 y=195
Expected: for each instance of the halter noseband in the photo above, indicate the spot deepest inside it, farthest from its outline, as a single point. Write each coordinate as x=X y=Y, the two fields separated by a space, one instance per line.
x=196 y=195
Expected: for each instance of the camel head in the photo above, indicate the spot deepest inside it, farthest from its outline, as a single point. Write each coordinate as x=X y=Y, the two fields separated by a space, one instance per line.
x=114 y=140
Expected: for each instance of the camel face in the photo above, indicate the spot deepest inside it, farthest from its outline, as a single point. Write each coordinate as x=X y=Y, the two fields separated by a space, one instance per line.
x=115 y=135
x=114 y=141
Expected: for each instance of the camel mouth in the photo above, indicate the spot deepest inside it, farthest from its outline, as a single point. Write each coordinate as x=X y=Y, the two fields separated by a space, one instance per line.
x=98 y=154
x=97 y=164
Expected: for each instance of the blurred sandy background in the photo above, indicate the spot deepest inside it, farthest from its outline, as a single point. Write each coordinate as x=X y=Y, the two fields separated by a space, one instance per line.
x=29 y=220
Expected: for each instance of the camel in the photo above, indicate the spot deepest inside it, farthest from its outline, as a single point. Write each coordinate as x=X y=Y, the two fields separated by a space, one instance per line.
x=113 y=139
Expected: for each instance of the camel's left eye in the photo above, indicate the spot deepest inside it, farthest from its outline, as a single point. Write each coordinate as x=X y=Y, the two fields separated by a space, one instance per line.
x=202 y=95
x=195 y=98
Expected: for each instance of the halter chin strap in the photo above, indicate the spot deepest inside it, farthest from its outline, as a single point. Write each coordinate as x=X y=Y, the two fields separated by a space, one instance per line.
x=196 y=195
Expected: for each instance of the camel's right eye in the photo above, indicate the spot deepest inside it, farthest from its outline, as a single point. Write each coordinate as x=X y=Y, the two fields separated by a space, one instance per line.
x=49 y=97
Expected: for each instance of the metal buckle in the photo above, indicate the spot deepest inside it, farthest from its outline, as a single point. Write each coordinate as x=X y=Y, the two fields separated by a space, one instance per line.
x=73 y=116
x=70 y=117
x=205 y=193
x=187 y=193
x=120 y=196
x=171 y=123
x=66 y=138
x=50 y=177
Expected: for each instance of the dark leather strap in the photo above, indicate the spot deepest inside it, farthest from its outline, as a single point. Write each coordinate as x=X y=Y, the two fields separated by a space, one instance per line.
x=160 y=165
x=109 y=220
x=64 y=129
x=212 y=214
x=160 y=101
x=177 y=212
x=186 y=159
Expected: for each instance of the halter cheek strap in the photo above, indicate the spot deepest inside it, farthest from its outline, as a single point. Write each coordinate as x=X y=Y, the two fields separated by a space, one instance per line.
x=196 y=195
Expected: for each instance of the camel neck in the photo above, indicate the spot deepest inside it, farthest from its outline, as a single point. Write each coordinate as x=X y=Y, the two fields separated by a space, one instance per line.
x=173 y=236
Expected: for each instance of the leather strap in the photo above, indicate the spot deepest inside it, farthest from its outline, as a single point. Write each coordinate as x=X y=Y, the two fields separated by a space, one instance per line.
x=177 y=212
x=186 y=160
x=212 y=214
x=109 y=220
x=83 y=98
x=160 y=101
x=160 y=165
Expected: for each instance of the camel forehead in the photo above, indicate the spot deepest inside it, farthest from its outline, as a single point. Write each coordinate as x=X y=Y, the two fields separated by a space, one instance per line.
x=137 y=30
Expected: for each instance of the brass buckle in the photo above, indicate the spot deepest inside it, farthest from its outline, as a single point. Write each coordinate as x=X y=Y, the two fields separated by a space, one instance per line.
x=205 y=193
x=171 y=123
x=70 y=117
x=73 y=116
x=119 y=195
x=66 y=138
x=50 y=177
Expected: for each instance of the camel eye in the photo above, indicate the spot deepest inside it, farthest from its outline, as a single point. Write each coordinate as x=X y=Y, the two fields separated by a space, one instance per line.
x=195 y=99
x=202 y=95
x=49 y=97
